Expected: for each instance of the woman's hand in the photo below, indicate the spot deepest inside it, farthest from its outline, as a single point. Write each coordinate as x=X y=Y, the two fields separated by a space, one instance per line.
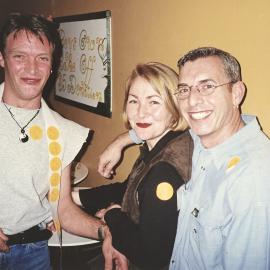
x=101 y=213
x=110 y=157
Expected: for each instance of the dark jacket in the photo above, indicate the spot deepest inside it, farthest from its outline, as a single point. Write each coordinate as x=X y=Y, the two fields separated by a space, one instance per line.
x=144 y=230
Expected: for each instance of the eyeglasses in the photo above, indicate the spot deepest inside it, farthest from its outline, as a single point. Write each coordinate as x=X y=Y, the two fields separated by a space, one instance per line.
x=204 y=88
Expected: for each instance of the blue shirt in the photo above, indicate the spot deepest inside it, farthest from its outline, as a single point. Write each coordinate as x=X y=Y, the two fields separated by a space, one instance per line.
x=224 y=219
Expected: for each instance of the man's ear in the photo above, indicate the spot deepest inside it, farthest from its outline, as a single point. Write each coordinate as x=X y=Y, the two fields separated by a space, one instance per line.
x=238 y=93
x=2 y=61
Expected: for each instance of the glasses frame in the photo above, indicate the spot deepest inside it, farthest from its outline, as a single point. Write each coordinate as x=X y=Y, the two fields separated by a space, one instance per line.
x=213 y=88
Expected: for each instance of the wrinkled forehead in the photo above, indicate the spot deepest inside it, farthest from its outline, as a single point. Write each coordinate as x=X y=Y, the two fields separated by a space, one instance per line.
x=27 y=37
x=205 y=68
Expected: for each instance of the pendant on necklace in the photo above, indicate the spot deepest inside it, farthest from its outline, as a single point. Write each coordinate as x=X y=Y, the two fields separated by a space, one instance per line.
x=23 y=137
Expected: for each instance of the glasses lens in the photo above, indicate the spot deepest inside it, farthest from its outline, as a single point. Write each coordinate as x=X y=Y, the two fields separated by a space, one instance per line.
x=183 y=91
x=206 y=88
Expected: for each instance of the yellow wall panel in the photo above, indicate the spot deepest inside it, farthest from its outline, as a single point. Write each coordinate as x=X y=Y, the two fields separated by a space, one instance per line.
x=158 y=30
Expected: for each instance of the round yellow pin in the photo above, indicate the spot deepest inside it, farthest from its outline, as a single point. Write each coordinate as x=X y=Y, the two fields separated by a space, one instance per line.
x=35 y=132
x=233 y=161
x=53 y=133
x=164 y=191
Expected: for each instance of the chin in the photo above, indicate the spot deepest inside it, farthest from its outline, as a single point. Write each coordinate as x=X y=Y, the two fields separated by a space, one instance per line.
x=200 y=131
x=141 y=135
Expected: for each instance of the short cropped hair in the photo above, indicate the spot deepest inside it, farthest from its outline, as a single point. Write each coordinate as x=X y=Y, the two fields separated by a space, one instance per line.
x=231 y=65
x=164 y=81
x=36 y=25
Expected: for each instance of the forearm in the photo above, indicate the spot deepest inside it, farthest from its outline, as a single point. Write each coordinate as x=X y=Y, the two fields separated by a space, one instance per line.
x=71 y=217
x=101 y=197
x=112 y=154
x=75 y=221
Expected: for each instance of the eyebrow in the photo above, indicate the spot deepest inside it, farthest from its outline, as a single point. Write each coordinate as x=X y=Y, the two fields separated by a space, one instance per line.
x=148 y=97
x=200 y=82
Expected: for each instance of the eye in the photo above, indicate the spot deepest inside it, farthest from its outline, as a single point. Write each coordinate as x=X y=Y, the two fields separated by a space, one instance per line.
x=132 y=101
x=154 y=102
x=207 y=86
x=44 y=58
x=18 y=57
x=183 y=90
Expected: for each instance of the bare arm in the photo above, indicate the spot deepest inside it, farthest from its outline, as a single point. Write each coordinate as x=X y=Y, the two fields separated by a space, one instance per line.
x=75 y=221
x=112 y=154
x=72 y=218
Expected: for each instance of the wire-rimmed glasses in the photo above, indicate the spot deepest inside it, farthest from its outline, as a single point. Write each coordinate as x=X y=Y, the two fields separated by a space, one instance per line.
x=204 y=88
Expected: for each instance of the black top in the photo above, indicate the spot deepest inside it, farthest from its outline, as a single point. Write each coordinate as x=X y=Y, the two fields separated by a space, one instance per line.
x=148 y=244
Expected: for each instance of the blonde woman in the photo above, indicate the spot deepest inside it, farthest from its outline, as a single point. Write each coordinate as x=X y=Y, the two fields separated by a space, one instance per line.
x=143 y=217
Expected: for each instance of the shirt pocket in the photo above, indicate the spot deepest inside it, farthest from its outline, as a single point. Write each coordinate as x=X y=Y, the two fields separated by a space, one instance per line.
x=207 y=238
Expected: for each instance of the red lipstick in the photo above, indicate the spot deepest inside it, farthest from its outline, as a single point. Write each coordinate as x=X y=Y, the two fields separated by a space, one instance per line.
x=143 y=125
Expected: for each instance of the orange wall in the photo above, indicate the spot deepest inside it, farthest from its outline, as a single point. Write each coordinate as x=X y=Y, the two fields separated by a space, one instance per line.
x=146 y=30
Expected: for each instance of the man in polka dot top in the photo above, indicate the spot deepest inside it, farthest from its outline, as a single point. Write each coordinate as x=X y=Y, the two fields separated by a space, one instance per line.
x=37 y=148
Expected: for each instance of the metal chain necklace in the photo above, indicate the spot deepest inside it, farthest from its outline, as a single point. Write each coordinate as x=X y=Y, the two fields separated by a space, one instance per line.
x=23 y=136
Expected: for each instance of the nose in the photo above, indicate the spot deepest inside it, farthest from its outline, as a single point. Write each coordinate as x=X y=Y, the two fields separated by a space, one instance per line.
x=195 y=97
x=142 y=110
x=31 y=66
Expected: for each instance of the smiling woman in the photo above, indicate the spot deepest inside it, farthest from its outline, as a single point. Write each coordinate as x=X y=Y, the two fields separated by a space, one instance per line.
x=147 y=113
x=141 y=213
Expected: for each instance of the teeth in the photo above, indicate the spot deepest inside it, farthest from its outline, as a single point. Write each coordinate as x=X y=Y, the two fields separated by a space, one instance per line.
x=199 y=115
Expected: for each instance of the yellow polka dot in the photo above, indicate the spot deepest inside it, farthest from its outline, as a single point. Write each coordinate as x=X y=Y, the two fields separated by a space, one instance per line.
x=55 y=164
x=54 y=148
x=54 y=195
x=53 y=133
x=55 y=179
x=233 y=161
x=57 y=225
x=35 y=132
x=164 y=191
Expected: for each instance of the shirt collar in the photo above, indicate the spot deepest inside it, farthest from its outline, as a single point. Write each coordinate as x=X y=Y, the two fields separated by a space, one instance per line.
x=229 y=147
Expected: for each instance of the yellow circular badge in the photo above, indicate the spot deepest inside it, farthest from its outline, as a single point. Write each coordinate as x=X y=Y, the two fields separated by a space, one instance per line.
x=164 y=191
x=55 y=179
x=55 y=164
x=54 y=195
x=35 y=132
x=53 y=133
x=54 y=148
x=233 y=161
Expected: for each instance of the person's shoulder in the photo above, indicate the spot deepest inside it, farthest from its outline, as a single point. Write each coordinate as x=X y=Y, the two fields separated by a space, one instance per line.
x=162 y=171
x=69 y=128
x=257 y=152
x=180 y=143
x=63 y=121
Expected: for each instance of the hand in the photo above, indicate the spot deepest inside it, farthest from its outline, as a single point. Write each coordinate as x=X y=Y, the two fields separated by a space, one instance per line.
x=108 y=159
x=101 y=213
x=50 y=18
x=112 y=154
x=50 y=226
x=111 y=255
x=3 y=238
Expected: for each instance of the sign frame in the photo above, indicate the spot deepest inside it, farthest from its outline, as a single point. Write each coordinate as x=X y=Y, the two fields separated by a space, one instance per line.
x=86 y=62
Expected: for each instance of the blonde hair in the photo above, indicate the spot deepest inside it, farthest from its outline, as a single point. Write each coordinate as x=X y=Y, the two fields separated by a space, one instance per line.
x=164 y=81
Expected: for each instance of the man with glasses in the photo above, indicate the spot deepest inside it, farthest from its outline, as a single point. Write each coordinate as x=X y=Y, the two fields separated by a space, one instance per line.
x=224 y=217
